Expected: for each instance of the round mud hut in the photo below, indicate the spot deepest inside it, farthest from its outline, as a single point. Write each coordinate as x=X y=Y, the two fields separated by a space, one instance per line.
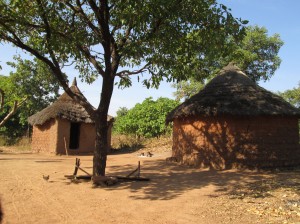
x=65 y=127
x=234 y=123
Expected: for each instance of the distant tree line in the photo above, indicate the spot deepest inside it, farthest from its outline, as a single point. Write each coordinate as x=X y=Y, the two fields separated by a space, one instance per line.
x=146 y=119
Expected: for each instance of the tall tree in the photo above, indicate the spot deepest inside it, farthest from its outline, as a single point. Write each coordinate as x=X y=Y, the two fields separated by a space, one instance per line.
x=7 y=111
x=256 y=54
x=118 y=38
x=31 y=80
x=292 y=96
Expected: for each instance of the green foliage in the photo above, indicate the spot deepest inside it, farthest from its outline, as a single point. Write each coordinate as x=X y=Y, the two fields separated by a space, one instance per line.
x=292 y=96
x=31 y=80
x=188 y=88
x=256 y=54
x=146 y=119
x=168 y=39
x=122 y=111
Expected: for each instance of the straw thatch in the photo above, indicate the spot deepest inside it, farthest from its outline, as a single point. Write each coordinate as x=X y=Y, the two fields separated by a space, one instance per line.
x=232 y=92
x=66 y=108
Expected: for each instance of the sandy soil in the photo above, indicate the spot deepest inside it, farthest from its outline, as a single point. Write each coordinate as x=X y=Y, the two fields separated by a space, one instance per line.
x=175 y=194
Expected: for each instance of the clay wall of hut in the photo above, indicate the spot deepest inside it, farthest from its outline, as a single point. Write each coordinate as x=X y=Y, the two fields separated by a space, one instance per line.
x=54 y=137
x=44 y=137
x=236 y=141
x=86 y=138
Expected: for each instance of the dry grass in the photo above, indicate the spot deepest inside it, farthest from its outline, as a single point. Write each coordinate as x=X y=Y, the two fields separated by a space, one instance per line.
x=131 y=143
x=22 y=144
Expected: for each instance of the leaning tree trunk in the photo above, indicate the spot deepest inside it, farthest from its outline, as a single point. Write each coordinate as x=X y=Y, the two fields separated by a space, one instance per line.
x=101 y=125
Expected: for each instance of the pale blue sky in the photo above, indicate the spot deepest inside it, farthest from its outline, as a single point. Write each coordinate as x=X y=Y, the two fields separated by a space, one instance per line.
x=278 y=16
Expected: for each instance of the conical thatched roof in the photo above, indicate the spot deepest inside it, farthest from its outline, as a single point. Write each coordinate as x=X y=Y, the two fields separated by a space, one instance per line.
x=233 y=93
x=64 y=107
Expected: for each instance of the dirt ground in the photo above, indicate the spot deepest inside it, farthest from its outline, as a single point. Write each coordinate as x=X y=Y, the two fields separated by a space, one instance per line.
x=175 y=194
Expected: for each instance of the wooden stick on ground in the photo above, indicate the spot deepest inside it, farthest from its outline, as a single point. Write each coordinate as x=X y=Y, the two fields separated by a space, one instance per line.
x=84 y=171
x=138 y=170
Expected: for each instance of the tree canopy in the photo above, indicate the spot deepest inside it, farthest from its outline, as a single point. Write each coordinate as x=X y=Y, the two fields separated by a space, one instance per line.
x=6 y=110
x=32 y=82
x=292 y=96
x=146 y=119
x=256 y=54
x=166 y=39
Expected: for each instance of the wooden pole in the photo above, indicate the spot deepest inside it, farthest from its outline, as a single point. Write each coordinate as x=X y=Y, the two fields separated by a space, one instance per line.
x=77 y=164
x=139 y=169
x=66 y=146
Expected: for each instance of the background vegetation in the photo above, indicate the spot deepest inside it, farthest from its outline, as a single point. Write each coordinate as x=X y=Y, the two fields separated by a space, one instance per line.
x=146 y=119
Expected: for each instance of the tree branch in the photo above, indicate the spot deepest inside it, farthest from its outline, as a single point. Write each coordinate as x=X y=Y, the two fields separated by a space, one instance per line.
x=127 y=72
x=1 y=99
x=12 y=112
x=54 y=68
x=78 y=10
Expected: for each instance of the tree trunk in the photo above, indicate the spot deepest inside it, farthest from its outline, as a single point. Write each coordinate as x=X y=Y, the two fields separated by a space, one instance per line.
x=101 y=148
x=101 y=125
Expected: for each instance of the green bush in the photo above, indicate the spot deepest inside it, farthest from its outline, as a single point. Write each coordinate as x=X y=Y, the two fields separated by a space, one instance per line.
x=146 y=119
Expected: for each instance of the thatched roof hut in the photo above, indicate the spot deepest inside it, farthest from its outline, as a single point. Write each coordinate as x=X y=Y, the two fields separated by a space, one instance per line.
x=65 y=127
x=235 y=122
x=232 y=92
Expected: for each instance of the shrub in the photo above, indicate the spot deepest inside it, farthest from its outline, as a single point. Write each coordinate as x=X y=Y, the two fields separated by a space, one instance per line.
x=146 y=119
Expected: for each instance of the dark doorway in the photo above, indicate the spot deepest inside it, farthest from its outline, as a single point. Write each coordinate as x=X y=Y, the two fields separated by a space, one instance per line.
x=74 y=135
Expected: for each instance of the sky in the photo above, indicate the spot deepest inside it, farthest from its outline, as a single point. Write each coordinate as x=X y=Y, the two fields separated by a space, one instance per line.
x=278 y=16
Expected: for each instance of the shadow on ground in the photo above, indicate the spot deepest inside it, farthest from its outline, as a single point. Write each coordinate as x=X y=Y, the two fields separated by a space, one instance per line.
x=171 y=181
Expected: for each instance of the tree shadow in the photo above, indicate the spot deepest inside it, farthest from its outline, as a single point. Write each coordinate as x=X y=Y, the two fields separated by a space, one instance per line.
x=284 y=180
x=239 y=142
x=170 y=181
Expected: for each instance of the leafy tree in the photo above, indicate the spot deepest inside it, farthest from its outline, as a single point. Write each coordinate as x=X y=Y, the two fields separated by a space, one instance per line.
x=118 y=38
x=33 y=81
x=256 y=54
x=187 y=88
x=7 y=110
x=146 y=119
x=122 y=111
x=292 y=96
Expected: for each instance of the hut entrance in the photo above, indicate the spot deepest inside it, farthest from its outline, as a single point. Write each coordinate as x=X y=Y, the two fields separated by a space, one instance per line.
x=74 y=135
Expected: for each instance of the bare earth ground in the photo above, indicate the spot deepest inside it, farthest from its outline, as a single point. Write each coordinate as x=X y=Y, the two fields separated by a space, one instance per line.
x=175 y=194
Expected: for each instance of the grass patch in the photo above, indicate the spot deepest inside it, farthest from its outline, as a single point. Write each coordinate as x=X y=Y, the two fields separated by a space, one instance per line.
x=130 y=143
x=126 y=143
x=19 y=144
x=23 y=144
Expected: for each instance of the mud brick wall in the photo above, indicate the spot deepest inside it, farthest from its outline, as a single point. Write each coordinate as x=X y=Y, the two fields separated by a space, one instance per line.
x=225 y=141
x=54 y=137
x=87 y=138
x=44 y=137
x=63 y=136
